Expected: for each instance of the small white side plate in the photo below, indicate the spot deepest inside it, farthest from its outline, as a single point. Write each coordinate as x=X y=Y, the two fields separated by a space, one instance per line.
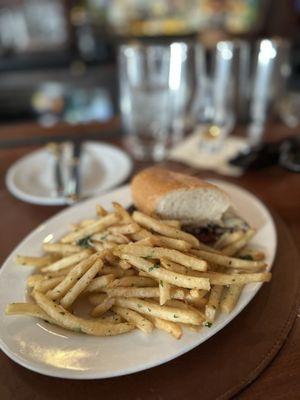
x=102 y=167
x=53 y=351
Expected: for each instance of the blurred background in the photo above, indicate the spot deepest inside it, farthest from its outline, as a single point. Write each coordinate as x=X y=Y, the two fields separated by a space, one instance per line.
x=58 y=57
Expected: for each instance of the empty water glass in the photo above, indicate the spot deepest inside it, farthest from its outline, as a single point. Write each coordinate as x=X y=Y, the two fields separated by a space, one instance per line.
x=154 y=93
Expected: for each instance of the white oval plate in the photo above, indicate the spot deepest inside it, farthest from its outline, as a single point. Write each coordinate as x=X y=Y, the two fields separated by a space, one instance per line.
x=53 y=351
x=103 y=166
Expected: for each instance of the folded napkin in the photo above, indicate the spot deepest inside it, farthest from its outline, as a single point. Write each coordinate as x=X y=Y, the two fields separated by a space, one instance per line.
x=196 y=154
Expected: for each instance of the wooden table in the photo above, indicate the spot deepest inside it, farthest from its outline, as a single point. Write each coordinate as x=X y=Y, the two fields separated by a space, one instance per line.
x=277 y=188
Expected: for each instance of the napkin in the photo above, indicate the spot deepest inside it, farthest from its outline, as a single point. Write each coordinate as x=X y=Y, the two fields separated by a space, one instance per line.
x=196 y=154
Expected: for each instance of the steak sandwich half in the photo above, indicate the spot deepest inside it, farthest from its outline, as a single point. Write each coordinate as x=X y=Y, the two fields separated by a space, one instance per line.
x=202 y=208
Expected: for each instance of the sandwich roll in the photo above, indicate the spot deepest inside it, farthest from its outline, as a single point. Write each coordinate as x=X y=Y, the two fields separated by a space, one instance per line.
x=171 y=195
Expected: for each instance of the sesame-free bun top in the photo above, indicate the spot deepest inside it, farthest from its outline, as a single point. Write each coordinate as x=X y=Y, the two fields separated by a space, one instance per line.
x=158 y=191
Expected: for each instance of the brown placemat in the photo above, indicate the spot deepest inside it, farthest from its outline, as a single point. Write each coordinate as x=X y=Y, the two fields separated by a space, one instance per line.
x=217 y=369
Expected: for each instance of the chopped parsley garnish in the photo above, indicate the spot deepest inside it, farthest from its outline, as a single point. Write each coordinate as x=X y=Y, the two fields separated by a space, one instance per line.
x=154 y=267
x=208 y=324
x=149 y=309
x=247 y=257
x=161 y=283
x=139 y=306
x=78 y=329
x=84 y=242
x=175 y=316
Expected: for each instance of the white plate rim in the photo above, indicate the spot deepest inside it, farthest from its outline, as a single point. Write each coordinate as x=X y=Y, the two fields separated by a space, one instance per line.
x=67 y=374
x=48 y=201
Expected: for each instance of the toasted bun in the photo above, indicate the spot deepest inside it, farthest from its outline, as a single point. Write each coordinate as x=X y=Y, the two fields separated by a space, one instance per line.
x=178 y=196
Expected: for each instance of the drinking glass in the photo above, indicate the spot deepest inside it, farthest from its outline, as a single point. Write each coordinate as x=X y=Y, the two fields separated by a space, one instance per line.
x=154 y=95
x=239 y=82
x=214 y=105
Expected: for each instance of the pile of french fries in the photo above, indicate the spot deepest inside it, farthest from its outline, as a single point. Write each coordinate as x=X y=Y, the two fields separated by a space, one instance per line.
x=138 y=271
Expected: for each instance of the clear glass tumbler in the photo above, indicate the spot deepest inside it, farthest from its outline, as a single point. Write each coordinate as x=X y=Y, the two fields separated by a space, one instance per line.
x=154 y=91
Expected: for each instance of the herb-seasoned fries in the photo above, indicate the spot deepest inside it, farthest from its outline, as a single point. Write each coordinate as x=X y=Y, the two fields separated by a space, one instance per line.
x=161 y=252
x=164 y=229
x=138 y=271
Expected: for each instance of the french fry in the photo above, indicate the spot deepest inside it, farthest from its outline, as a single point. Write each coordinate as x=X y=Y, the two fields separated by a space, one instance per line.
x=228 y=238
x=103 y=307
x=113 y=318
x=144 y=242
x=134 y=318
x=71 y=278
x=229 y=262
x=173 y=266
x=197 y=294
x=193 y=328
x=164 y=292
x=47 y=284
x=65 y=319
x=99 y=283
x=234 y=247
x=114 y=238
x=185 y=306
x=33 y=310
x=172 y=222
x=111 y=269
x=217 y=278
x=196 y=298
x=164 y=312
x=99 y=237
x=37 y=262
x=124 y=229
x=29 y=309
x=112 y=259
x=158 y=253
x=211 y=307
x=60 y=272
x=143 y=274
x=101 y=212
x=168 y=326
x=176 y=244
x=205 y=247
x=86 y=222
x=177 y=303
x=67 y=261
x=156 y=271
x=125 y=265
x=141 y=235
x=97 y=226
x=98 y=246
x=81 y=284
x=143 y=292
x=198 y=303
x=123 y=214
x=118 y=238
x=137 y=281
x=33 y=279
x=251 y=254
x=96 y=299
x=230 y=298
x=164 y=229
x=64 y=249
